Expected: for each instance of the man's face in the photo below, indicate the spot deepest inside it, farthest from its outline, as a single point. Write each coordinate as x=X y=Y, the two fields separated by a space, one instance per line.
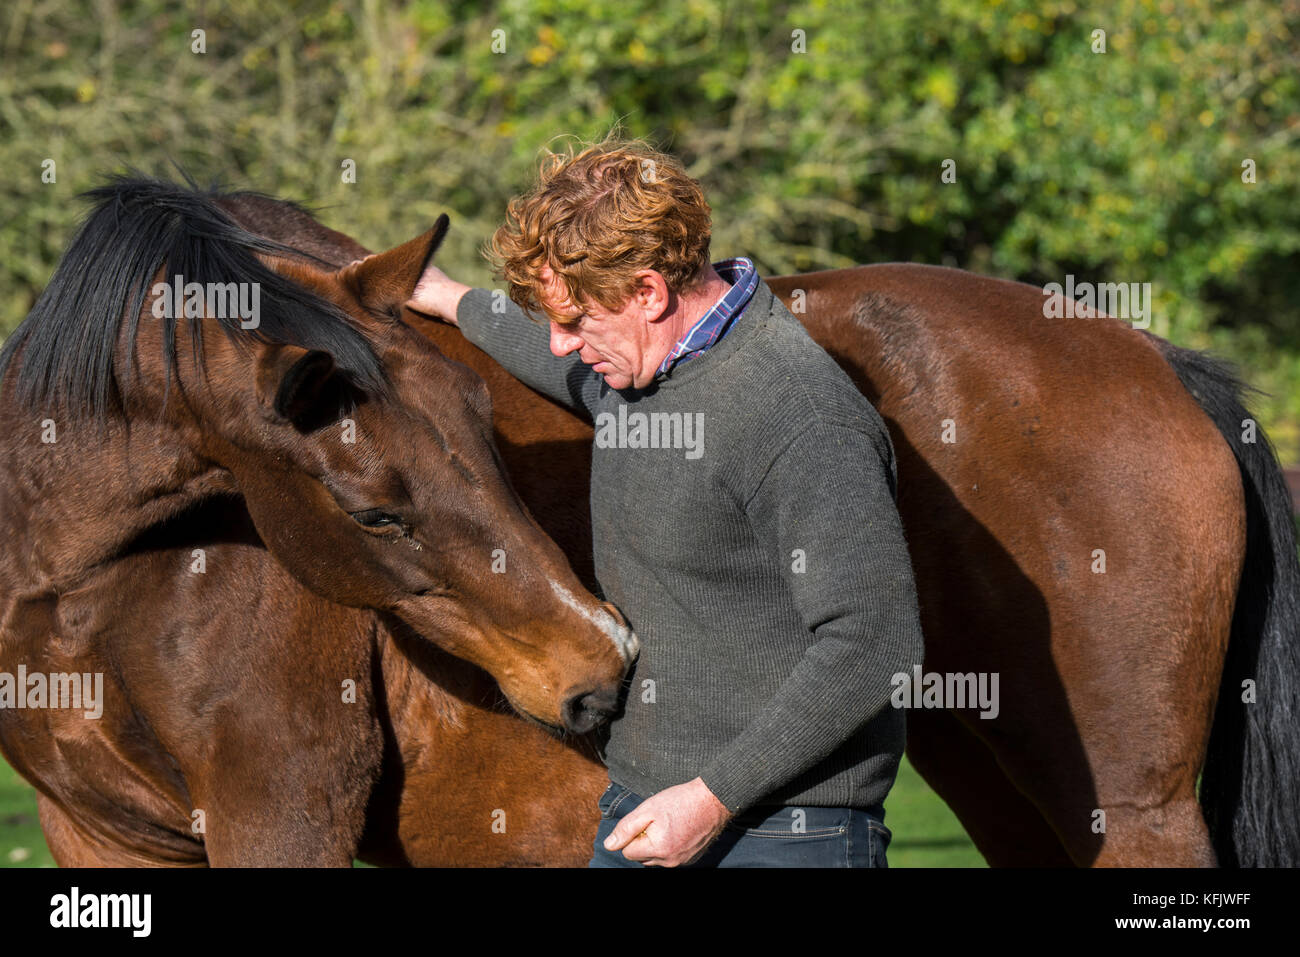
x=615 y=344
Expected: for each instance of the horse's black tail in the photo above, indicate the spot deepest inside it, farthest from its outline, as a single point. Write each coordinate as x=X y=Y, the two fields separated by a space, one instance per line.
x=1250 y=785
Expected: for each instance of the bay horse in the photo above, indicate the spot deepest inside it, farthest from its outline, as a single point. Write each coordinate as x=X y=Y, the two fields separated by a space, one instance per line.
x=238 y=721
x=1092 y=513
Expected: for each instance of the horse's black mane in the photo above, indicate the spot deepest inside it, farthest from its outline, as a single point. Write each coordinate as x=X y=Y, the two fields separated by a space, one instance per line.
x=138 y=223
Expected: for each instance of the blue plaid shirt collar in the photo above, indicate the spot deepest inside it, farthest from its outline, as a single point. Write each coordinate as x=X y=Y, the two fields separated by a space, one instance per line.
x=713 y=325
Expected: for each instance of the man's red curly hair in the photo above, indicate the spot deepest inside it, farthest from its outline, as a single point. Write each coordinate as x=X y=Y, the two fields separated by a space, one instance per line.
x=596 y=218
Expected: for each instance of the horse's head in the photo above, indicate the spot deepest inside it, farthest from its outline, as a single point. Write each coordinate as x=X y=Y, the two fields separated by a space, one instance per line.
x=364 y=456
x=396 y=498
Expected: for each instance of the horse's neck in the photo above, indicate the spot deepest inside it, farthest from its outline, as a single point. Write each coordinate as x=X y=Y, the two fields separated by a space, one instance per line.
x=74 y=495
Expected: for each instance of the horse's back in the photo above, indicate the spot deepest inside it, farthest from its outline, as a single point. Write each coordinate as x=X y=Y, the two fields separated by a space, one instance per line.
x=984 y=389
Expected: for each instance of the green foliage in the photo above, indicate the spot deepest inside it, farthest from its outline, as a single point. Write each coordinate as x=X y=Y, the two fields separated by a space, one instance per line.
x=1117 y=166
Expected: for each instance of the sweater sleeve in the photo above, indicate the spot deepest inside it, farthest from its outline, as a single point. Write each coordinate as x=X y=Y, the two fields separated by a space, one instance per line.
x=830 y=494
x=522 y=347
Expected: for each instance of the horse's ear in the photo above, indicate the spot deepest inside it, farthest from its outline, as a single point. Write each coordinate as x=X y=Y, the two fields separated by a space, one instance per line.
x=384 y=281
x=293 y=382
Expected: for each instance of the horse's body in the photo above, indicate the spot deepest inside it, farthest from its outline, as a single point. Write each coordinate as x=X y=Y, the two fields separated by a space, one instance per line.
x=1070 y=437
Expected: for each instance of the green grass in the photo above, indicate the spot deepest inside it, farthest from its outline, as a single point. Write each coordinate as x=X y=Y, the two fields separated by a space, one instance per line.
x=926 y=834
x=21 y=841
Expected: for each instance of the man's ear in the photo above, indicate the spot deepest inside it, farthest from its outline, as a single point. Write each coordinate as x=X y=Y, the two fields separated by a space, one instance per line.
x=652 y=295
x=294 y=383
x=384 y=282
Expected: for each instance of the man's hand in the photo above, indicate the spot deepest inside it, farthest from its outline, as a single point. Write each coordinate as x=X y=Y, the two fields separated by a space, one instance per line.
x=438 y=295
x=672 y=827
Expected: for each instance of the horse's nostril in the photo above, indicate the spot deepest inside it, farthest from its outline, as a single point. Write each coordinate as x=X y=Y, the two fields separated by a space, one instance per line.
x=586 y=711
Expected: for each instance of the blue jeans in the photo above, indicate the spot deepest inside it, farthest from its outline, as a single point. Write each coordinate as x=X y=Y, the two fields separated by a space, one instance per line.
x=768 y=837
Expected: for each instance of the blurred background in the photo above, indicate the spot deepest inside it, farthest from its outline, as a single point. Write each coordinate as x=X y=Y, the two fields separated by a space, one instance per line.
x=1162 y=150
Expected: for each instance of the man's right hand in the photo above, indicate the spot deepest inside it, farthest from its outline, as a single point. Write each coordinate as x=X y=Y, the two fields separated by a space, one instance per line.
x=437 y=295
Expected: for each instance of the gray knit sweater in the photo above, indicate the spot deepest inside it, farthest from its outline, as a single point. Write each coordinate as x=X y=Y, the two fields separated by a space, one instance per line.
x=744 y=521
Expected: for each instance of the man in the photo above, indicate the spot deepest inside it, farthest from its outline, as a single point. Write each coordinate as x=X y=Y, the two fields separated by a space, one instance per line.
x=743 y=520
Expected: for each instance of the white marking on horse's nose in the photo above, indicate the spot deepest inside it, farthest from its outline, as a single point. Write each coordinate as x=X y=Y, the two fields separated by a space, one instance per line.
x=624 y=639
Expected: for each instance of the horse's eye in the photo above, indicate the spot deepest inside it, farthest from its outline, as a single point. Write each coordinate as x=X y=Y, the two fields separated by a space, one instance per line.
x=376 y=518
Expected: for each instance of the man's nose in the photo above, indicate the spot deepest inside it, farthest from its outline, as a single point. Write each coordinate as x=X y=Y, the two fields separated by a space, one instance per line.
x=562 y=341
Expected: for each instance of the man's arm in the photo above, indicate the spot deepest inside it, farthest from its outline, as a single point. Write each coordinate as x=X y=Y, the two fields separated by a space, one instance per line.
x=502 y=330
x=830 y=494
